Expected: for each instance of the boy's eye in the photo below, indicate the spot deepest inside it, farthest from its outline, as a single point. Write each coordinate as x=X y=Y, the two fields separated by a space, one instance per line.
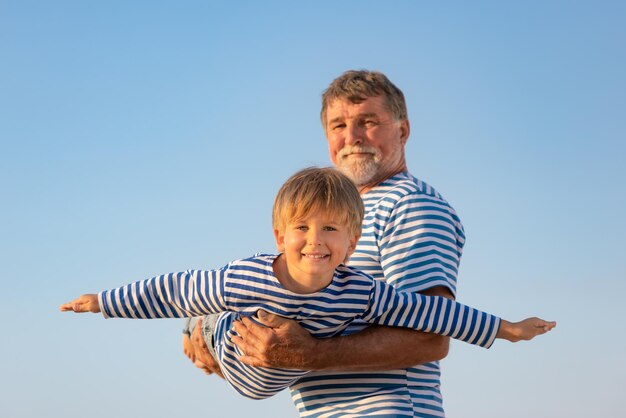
x=330 y=228
x=302 y=228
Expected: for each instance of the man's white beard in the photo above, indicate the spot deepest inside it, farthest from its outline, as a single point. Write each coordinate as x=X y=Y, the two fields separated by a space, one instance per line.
x=360 y=171
x=364 y=170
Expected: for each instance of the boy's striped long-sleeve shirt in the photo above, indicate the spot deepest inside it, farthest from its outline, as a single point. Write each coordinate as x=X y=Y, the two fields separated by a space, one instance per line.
x=247 y=285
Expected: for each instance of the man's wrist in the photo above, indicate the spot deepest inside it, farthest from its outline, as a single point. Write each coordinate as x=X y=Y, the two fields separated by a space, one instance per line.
x=320 y=354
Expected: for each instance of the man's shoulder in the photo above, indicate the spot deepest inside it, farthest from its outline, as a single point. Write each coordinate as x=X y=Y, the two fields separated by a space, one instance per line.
x=403 y=188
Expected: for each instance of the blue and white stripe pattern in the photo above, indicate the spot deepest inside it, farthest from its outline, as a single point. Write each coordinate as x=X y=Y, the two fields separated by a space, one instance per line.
x=245 y=286
x=412 y=239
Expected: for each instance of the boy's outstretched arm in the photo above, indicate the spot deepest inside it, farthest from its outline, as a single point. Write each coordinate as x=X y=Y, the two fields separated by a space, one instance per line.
x=527 y=329
x=85 y=303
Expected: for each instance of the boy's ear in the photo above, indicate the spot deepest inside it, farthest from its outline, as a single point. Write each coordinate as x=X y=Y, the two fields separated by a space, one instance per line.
x=352 y=245
x=280 y=240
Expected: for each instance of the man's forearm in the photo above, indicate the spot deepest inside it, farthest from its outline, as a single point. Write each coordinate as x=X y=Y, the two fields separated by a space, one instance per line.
x=381 y=348
x=282 y=343
x=378 y=348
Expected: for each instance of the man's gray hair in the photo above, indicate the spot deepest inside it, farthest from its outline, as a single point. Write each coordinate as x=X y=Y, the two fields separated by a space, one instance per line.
x=358 y=85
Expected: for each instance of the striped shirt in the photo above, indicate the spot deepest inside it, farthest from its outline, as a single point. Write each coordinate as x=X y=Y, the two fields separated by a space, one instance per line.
x=247 y=285
x=412 y=239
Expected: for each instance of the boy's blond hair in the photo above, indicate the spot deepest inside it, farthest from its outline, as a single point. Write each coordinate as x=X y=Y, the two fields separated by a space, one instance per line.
x=315 y=190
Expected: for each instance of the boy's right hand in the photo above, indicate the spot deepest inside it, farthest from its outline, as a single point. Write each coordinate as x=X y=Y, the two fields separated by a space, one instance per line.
x=85 y=303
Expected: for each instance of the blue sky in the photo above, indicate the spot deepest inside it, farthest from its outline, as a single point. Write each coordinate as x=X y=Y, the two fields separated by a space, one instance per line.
x=145 y=137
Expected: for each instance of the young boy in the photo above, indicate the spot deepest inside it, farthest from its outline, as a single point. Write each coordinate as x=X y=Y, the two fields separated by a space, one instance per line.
x=317 y=220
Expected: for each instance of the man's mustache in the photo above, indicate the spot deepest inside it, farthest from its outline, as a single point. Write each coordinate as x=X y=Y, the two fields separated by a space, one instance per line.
x=350 y=149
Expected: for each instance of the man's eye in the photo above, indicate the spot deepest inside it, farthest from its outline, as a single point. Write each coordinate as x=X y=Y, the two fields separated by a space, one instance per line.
x=338 y=126
x=370 y=123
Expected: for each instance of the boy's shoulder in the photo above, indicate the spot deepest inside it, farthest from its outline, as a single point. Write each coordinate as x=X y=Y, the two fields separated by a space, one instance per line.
x=258 y=260
x=348 y=274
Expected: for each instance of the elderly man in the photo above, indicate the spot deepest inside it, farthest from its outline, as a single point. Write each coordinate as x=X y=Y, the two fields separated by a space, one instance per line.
x=411 y=238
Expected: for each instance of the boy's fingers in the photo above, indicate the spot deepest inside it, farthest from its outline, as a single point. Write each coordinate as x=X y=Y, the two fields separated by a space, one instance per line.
x=79 y=307
x=70 y=306
x=85 y=303
x=545 y=326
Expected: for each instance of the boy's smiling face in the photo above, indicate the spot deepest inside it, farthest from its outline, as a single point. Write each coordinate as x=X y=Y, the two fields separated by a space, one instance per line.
x=312 y=249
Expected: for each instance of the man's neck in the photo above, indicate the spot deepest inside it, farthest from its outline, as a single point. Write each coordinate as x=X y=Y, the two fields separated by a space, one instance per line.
x=375 y=182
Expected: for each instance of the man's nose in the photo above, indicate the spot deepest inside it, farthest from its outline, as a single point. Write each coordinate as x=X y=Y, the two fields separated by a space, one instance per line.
x=354 y=134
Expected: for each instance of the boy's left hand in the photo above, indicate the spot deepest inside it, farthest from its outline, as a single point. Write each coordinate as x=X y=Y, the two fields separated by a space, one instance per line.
x=526 y=330
x=85 y=303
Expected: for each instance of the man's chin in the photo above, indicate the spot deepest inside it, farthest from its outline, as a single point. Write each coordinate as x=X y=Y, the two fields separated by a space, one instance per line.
x=358 y=176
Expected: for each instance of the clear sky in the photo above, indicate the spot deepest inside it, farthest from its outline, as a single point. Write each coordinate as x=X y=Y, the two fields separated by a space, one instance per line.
x=143 y=137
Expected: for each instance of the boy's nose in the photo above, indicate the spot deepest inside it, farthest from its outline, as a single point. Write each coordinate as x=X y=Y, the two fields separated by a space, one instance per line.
x=313 y=238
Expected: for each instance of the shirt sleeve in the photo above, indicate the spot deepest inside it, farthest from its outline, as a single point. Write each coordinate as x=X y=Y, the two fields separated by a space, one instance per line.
x=434 y=314
x=421 y=244
x=173 y=295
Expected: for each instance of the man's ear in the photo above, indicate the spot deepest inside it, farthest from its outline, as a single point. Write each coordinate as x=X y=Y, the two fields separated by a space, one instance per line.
x=405 y=131
x=280 y=240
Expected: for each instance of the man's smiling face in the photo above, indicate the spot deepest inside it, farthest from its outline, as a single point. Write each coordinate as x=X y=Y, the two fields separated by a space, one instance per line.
x=365 y=141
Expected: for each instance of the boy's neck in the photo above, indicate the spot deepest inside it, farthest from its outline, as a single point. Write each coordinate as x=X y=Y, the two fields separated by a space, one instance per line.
x=293 y=284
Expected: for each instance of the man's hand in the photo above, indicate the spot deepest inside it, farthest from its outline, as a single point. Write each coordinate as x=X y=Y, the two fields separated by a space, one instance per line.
x=188 y=348
x=85 y=303
x=282 y=343
x=285 y=344
x=196 y=350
